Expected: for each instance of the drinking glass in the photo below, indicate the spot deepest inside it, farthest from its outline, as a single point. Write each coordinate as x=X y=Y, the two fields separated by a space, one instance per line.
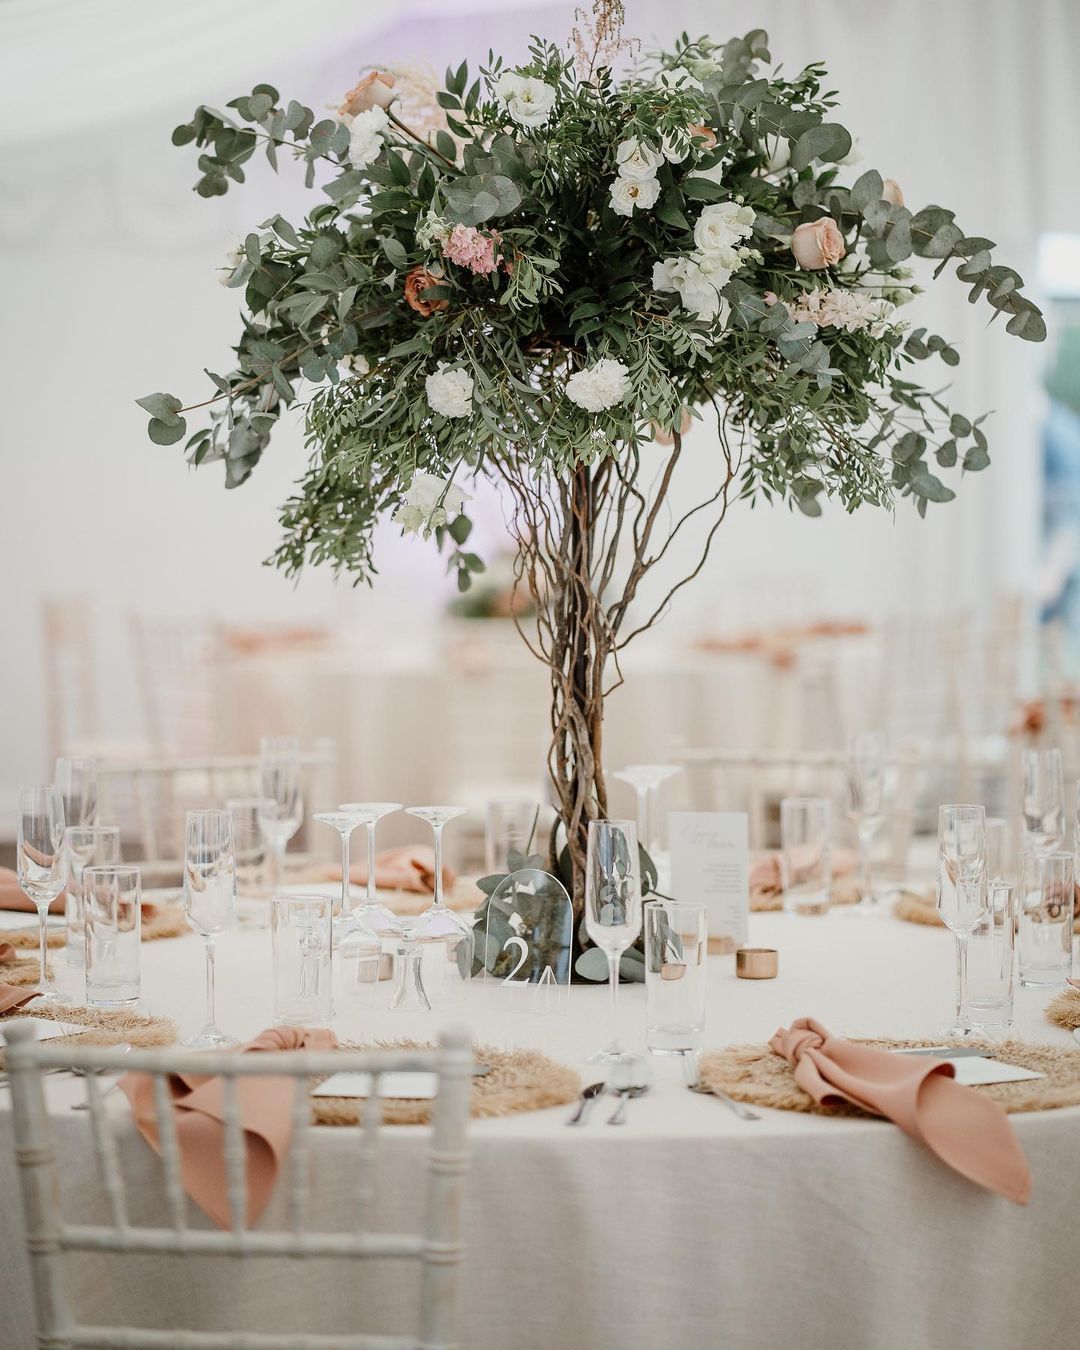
x=77 y=781
x=509 y=826
x=1047 y=902
x=112 y=904
x=646 y=780
x=995 y=848
x=279 y=780
x=300 y=933
x=40 y=865
x=676 y=944
x=441 y=933
x=961 y=890
x=1042 y=801
x=209 y=901
x=376 y=917
x=85 y=846
x=612 y=908
x=991 y=958
x=866 y=770
x=251 y=844
x=805 y=856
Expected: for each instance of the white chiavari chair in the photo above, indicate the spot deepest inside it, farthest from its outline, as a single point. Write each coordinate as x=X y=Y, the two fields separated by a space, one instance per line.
x=178 y=664
x=52 y=1239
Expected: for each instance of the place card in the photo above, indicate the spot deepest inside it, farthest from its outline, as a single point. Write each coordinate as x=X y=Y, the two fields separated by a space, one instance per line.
x=709 y=863
x=412 y=1086
x=975 y=1070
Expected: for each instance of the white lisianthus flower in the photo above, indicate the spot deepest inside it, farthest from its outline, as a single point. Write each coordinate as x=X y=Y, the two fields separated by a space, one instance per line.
x=528 y=101
x=429 y=502
x=720 y=227
x=629 y=194
x=234 y=259
x=678 y=77
x=366 y=136
x=637 y=160
x=449 y=391
x=600 y=386
x=697 y=281
x=432 y=230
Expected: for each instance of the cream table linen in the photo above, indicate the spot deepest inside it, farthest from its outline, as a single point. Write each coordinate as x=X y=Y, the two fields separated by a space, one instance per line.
x=686 y=1227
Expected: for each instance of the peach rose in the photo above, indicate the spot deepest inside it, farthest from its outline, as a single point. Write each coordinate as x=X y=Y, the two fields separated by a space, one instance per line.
x=704 y=137
x=890 y=192
x=817 y=244
x=374 y=89
x=416 y=283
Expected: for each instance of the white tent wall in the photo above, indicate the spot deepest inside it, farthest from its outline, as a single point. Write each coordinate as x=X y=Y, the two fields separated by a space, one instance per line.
x=109 y=293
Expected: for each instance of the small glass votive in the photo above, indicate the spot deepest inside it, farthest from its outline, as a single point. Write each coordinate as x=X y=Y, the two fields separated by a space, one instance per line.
x=85 y=846
x=805 y=854
x=991 y=961
x=676 y=945
x=1045 y=934
x=509 y=823
x=112 y=909
x=300 y=933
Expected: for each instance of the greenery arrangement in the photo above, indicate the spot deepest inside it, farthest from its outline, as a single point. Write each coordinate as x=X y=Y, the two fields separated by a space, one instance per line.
x=542 y=276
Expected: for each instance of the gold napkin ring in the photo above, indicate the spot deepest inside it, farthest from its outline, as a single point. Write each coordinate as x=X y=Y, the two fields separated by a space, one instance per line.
x=757 y=963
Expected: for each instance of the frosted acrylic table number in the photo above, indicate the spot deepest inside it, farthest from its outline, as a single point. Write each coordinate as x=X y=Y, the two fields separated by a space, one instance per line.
x=524 y=941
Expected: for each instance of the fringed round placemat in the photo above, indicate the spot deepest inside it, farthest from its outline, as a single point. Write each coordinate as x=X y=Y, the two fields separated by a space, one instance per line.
x=99 y=1026
x=844 y=891
x=1064 y=1009
x=517 y=1081
x=163 y=921
x=755 y=1074
x=21 y=973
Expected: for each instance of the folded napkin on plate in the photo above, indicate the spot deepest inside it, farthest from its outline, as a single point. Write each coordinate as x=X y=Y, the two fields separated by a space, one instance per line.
x=266 y=1106
x=12 y=995
x=12 y=896
x=968 y=1131
x=765 y=875
x=396 y=869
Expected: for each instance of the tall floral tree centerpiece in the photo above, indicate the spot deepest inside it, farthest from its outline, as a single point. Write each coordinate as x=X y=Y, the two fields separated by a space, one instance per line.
x=543 y=275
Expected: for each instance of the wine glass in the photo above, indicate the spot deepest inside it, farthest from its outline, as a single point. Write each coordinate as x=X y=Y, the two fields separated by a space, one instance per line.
x=279 y=774
x=646 y=780
x=866 y=769
x=612 y=908
x=439 y=930
x=961 y=890
x=209 y=901
x=85 y=846
x=77 y=780
x=1042 y=801
x=378 y=918
x=41 y=865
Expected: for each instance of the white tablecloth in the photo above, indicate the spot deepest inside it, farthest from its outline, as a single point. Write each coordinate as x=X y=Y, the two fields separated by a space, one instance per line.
x=687 y=1227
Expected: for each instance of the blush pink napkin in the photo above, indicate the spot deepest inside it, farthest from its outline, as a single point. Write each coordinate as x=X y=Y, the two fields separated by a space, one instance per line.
x=12 y=995
x=968 y=1131
x=12 y=896
x=765 y=875
x=396 y=869
x=266 y=1106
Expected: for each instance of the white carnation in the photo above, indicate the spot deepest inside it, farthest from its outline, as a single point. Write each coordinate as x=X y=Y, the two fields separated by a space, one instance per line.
x=637 y=160
x=629 y=194
x=721 y=226
x=600 y=386
x=528 y=101
x=450 y=391
x=366 y=136
x=429 y=502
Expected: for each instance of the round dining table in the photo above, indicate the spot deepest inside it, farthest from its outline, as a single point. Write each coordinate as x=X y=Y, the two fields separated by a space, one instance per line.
x=686 y=1226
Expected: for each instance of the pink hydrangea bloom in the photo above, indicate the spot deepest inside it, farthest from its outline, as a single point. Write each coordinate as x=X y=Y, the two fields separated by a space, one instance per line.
x=467 y=247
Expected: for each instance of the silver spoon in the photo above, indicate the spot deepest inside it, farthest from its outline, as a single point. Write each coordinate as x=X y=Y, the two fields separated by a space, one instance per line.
x=618 y=1116
x=588 y=1096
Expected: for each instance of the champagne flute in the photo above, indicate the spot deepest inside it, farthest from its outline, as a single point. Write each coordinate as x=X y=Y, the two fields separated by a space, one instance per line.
x=41 y=866
x=77 y=780
x=612 y=908
x=1042 y=801
x=209 y=901
x=961 y=890
x=85 y=846
x=279 y=773
x=866 y=808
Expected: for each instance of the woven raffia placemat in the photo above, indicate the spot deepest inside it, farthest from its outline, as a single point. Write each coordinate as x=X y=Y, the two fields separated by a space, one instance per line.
x=167 y=921
x=844 y=891
x=755 y=1074
x=518 y=1081
x=921 y=907
x=100 y=1026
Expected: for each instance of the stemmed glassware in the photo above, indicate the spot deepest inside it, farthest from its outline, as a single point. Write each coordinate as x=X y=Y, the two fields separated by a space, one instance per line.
x=646 y=780
x=209 y=901
x=961 y=891
x=866 y=769
x=1042 y=801
x=437 y=927
x=85 y=846
x=612 y=908
x=377 y=917
x=279 y=772
x=41 y=865
x=78 y=784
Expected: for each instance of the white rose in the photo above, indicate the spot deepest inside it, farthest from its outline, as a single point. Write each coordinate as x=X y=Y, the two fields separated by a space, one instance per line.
x=678 y=77
x=720 y=227
x=366 y=136
x=600 y=386
x=234 y=258
x=626 y=195
x=637 y=160
x=777 y=153
x=696 y=280
x=429 y=502
x=528 y=101
x=450 y=391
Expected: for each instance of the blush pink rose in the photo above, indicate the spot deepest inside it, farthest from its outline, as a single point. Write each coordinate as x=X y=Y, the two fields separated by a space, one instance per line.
x=890 y=192
x=817 y=244
x=375 y=89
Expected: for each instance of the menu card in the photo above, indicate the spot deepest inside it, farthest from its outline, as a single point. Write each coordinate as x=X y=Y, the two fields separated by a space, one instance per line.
x=709 y=863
